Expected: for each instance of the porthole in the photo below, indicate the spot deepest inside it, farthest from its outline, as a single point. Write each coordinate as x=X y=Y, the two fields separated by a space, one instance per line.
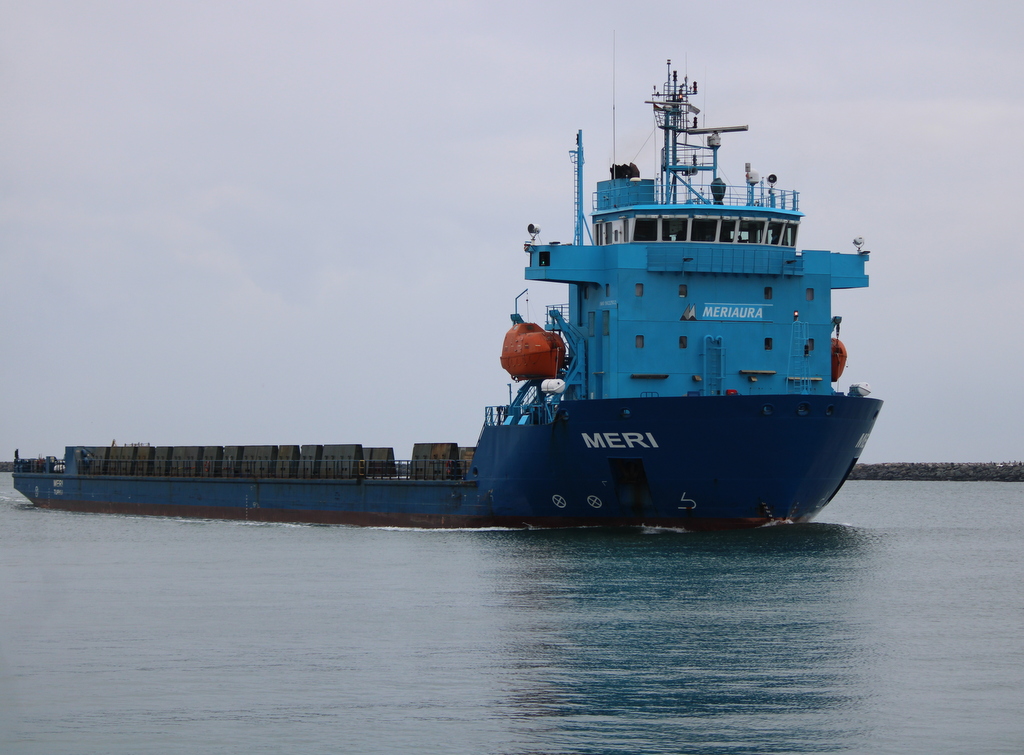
x=767 y=410
x=803 y=408
x=829 y=410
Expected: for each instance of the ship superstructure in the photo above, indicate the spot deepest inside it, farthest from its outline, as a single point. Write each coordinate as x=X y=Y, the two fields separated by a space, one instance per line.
x=693 y=287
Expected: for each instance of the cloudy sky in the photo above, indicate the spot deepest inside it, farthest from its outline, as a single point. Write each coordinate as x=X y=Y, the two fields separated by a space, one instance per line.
x=302 y=222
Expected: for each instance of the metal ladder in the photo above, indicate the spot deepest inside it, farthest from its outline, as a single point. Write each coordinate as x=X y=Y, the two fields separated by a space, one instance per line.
x=714 y=365
x=799 y=360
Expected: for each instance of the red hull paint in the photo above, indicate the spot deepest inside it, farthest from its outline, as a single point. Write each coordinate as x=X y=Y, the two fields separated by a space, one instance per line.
x=368 y=519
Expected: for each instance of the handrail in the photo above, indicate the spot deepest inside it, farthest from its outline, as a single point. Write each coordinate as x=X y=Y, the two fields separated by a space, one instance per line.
x=760 y=196
x=348 y=469
x=49 y=465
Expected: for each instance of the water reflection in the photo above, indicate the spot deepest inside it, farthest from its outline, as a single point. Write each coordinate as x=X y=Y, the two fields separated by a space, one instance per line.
x=632 y=641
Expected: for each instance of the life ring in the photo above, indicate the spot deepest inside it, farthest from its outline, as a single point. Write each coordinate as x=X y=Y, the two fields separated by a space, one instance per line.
x=838 y=359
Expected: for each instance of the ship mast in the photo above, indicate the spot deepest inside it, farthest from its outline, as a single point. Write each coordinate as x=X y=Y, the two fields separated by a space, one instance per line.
x=576 y=156
x=675 y=115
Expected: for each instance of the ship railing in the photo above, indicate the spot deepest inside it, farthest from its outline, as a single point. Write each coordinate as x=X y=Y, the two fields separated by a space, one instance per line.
x=302 y=469
x=48 y=465
x=521 y=414
x=562 y=309
x=495 y=415
x=744 y=195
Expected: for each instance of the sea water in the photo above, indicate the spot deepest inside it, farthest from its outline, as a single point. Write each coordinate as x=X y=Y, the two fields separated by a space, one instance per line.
x=894 y=624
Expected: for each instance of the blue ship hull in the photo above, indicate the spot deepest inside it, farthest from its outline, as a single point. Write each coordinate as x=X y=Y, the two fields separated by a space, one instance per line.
x=688 y=462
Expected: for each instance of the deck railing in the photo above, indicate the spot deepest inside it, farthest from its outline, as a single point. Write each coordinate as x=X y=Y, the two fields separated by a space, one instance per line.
x=732 y=196
x=353 y=469
x=49 y=465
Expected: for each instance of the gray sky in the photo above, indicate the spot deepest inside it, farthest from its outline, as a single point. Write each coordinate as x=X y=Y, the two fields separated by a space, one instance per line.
x=261 y=222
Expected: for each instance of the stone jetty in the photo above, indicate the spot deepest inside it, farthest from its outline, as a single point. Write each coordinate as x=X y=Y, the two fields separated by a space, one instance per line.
x=1010 y=471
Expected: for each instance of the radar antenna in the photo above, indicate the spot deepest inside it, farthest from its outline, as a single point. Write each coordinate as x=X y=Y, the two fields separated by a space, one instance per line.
x=680 y=161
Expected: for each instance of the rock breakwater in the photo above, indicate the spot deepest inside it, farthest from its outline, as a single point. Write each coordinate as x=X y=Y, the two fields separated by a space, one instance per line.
x=1011 y=471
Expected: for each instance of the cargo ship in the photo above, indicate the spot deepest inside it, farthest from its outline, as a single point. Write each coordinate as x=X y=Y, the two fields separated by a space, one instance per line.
x=690 y=381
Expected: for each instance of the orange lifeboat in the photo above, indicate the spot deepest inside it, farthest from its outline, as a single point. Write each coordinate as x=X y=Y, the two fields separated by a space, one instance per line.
x=531 y=353
x=838 y=359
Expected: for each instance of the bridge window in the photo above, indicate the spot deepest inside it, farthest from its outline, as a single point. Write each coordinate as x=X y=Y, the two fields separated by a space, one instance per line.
x=727 y=233
x=639 y=342
x=682 y=342
x=751 y=231
x=682 y=290
x=704 y=229
x=767 y=344
x=674 y=229
x=639 y=289
x=810 y=294
x=767 y=292
x=781 y=233
x=645 y=229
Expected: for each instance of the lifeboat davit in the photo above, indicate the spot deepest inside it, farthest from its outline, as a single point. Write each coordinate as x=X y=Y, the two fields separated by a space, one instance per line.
x=532 y=353
x=838 y=359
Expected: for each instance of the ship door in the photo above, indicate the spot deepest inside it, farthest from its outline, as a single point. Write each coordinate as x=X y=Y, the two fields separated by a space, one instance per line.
x=631 y=486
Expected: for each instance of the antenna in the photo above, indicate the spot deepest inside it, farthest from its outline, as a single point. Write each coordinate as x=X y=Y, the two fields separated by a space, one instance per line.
x=676 y=116
x=613 y=96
